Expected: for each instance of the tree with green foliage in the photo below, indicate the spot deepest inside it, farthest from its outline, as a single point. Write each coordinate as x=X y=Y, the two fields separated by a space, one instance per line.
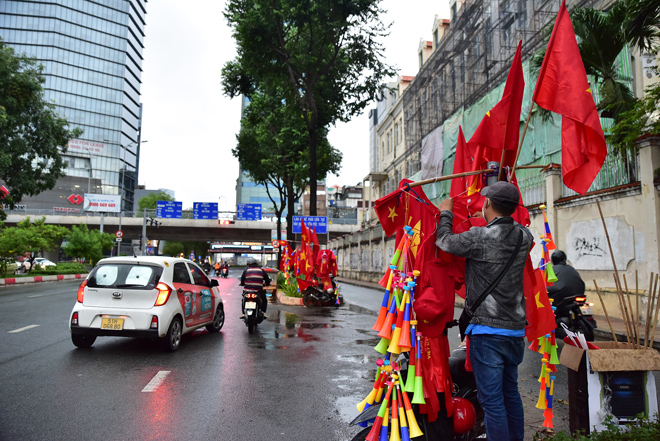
x=271 y=148
x=150 y=201
x=31 y=238
x=322 y=57
x=90 y=244
x=173 y=249
x=32 y=135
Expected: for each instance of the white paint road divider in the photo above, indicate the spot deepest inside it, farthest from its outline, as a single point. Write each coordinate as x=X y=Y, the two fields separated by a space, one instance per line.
x=25 y=328
x=156 y=381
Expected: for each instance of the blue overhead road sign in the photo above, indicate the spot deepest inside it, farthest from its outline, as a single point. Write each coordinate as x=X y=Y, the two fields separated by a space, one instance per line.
x=205 y=210
x=169 y=209
x=320 y=224
x=248 y=211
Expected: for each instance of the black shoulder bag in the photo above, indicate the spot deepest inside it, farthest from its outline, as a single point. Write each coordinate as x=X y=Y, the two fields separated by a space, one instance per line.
x=468 y=313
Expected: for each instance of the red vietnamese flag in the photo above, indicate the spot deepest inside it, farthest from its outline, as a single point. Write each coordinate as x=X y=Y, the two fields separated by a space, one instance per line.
x=540 y=318
x=500 y=127
x=562 y=87
x=314 y=242
x=406 y=206
x=462 y=164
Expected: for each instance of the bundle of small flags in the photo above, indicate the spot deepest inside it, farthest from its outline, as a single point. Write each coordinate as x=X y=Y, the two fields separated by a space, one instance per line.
x=547 y=346
x=396 y=326
x=548 y=244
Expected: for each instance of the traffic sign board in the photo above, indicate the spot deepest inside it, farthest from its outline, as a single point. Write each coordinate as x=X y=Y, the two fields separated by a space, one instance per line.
x=205 y=210
x=169 y=209
x=118 y=239
x=248 y=211
x=119 y=234
x=320 y=223
x=276 y=243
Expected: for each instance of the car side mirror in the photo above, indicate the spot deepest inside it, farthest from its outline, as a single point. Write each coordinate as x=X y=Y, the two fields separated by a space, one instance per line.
x=214 y=282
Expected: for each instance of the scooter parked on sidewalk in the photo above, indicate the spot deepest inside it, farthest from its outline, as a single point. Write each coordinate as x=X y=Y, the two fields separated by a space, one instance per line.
x=467 y=423
x=315 y=295
x=576 y=313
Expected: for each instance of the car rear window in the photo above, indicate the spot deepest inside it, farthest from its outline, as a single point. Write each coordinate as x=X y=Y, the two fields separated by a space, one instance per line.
x=125 y=276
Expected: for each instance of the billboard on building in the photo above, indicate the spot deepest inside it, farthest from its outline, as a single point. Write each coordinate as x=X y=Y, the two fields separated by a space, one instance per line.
x=85 y=147
x=102 y=203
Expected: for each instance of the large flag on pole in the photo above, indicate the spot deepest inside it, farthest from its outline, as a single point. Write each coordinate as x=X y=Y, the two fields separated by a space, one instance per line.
x=562 y=87
x=500 y=127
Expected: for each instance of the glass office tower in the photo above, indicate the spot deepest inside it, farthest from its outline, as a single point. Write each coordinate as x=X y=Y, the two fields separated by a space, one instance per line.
x=92 y=54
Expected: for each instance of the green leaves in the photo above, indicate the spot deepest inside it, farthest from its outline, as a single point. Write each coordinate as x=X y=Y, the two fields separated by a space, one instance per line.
x=319 y=61
x=150 y=201
x=82 y=242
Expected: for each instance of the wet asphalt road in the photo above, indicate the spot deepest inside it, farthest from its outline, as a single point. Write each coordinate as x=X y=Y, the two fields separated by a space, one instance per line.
x=297 y=378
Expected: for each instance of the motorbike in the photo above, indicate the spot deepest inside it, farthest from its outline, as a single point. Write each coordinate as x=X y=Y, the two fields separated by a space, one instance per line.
x=576 y=314
x=458 y=427
x=252 y=313
x=315 y=295
x=224 y=272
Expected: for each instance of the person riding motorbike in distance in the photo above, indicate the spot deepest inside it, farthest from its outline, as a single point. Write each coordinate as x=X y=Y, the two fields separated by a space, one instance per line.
x=569 y=283
x=254 y=278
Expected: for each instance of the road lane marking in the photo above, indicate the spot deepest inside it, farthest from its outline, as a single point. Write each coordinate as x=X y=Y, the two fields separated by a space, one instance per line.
x=37 y=295
x=156 y=381
x=25 y=328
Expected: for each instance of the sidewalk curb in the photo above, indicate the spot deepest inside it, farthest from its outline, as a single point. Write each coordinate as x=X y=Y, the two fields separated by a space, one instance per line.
x=286 y=300
x=36 y=279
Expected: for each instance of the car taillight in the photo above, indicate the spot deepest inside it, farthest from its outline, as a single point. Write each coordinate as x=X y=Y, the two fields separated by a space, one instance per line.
x=154 y=322
x=580 y=299
x=164 y=292
x=74 y=318
x=81 y=291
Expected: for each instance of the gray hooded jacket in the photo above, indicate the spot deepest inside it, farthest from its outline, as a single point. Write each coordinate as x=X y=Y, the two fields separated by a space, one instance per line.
x=487 y=250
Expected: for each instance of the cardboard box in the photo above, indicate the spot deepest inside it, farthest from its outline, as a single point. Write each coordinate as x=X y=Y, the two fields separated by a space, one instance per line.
x=613 y=380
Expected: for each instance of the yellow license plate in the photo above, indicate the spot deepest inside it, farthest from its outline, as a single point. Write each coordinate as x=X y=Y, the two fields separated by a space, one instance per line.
x=116 y=324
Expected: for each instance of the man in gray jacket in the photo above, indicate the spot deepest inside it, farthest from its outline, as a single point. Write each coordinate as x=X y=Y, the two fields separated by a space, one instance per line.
x=497 y=329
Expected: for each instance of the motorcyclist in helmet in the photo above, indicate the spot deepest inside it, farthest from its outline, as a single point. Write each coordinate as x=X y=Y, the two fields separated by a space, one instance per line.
x=254 y=279
x=569 y=283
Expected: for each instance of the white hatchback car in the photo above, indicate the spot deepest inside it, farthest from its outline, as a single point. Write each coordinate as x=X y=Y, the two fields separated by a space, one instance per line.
x=146 y=296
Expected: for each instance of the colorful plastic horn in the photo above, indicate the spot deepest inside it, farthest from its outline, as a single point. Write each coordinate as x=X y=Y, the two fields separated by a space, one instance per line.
x=547 y=413
x=395 y=414
x=418 y=396
x=404 y=340
x=386 y=330
x=415 y=431
x=387 y=297
x=405 y=432
x=410 y=381
x=382 y=416
x=396 y=335
x=548 y=235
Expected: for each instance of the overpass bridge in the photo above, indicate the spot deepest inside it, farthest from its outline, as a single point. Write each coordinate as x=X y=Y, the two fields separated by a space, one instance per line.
x=179 y=230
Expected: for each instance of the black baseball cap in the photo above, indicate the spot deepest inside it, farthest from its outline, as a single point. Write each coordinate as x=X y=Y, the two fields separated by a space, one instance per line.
x=503 y=194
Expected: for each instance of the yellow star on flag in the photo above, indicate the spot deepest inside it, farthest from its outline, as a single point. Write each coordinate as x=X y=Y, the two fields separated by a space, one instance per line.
x=392 y=213
x=538 y=302
x=589 y=90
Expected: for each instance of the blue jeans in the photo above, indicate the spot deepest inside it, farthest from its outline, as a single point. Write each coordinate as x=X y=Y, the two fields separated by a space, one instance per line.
x=495 y=361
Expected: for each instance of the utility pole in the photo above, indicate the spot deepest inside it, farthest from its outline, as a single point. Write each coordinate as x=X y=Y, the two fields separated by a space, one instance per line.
x=143 y=241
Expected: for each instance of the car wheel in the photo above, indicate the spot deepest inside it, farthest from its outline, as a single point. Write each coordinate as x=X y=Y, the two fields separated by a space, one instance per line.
x=218 y=320
x=83 y=341
x=173 y=337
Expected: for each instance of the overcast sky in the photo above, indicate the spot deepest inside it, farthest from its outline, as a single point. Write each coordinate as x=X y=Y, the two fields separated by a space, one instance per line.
x=191 y=126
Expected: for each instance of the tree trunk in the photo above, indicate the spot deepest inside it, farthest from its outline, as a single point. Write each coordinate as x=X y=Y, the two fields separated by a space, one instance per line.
x=312 y=168
x=290 y=207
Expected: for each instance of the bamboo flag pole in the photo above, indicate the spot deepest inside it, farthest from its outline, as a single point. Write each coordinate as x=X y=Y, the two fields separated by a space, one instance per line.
x=622 y=302
x=648 y=307
x=616 y=272
x=605 y=311
x=522 y=138
x=448 y=177
x=632 y=321
x=649 y=316
x=466 y=174
x=655 y=321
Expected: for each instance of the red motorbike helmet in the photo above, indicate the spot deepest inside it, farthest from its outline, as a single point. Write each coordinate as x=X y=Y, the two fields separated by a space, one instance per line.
x=464 y=415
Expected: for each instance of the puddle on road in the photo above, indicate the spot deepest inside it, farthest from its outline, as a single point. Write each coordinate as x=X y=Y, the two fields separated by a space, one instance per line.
x=361 y=310
x=362 y=359
x=373 y=342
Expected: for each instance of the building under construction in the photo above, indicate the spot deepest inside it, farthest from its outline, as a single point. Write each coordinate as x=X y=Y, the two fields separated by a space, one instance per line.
x=461 y=77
